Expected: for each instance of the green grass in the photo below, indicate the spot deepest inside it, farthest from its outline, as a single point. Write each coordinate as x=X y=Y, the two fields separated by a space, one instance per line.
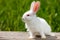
x=11 y=12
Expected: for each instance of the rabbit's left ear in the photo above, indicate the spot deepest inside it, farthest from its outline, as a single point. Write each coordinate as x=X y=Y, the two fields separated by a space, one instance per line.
x=32 y=5
x=36 y=6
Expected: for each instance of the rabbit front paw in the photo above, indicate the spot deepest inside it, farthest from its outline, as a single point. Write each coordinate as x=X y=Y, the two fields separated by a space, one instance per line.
x=31 y=37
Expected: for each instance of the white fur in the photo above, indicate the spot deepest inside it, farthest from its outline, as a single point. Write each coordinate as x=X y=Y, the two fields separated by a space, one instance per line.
x=32 y=5
x=36 y=24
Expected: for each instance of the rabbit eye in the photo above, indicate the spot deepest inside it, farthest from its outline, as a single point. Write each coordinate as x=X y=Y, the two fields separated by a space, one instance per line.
x=28 y=15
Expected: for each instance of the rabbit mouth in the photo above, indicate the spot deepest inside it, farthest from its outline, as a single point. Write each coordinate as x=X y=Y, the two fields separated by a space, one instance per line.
x=25 y=20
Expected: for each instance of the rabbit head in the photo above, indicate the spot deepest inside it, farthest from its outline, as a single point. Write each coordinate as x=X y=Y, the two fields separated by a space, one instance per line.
x=31 y=14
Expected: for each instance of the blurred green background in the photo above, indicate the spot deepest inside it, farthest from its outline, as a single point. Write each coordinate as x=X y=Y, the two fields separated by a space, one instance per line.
x=11 y=12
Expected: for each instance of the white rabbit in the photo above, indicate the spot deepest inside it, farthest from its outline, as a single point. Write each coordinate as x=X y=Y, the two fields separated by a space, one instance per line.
x=34 y=23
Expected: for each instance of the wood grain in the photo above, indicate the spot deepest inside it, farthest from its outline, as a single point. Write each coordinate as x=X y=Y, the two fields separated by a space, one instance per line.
x=5 y=35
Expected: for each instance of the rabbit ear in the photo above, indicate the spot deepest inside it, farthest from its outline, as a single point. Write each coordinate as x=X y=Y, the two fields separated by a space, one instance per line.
x=32 y=5
x=36 y=6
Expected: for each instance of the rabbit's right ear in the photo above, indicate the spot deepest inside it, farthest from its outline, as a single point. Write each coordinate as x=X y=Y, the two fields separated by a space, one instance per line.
x=32 y=5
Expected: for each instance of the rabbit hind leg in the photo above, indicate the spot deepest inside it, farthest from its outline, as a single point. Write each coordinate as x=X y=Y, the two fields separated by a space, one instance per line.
x=50 y=33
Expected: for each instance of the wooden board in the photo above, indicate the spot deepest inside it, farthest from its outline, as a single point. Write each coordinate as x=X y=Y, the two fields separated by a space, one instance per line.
x=23 y=36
